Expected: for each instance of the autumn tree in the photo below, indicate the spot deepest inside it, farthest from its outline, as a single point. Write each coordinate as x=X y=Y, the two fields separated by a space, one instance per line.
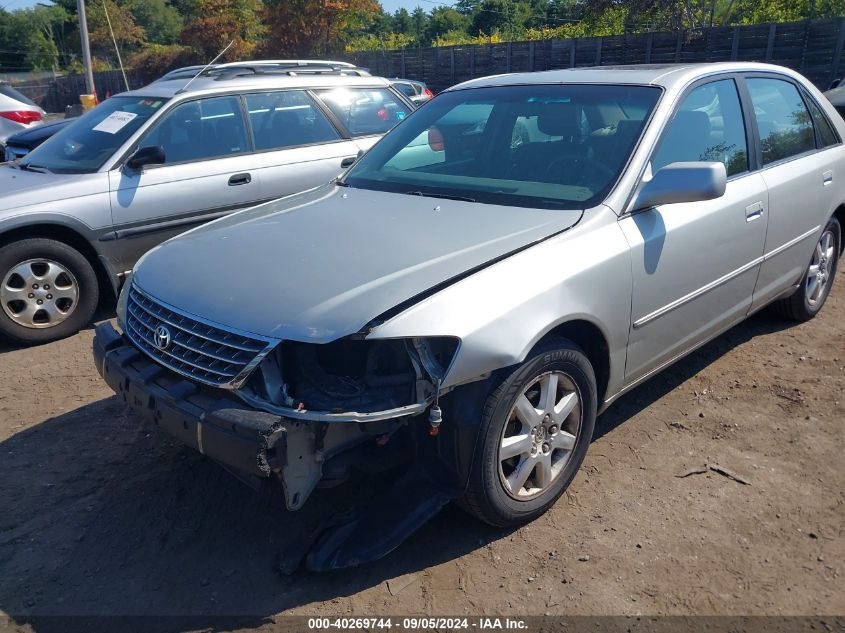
x=219 y=22
x=316 y=27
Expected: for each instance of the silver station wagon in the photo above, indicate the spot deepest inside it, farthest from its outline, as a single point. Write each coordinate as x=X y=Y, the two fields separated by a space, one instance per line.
x=482 y=283
x=78 y=211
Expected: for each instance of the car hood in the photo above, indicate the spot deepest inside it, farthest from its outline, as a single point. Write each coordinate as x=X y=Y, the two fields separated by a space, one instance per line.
x=321 y=265
x=20 y=188
x=34 y=136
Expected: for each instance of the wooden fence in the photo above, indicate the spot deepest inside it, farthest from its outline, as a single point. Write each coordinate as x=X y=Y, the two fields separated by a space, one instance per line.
x=812 y=47
x=54 y=94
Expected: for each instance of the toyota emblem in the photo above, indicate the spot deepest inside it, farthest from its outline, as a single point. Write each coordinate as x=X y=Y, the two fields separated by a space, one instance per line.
x=161 y=337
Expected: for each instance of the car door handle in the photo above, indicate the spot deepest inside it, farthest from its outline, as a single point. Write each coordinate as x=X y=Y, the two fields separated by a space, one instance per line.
x=753 y=211
x=348 y=161
x=240 y=179
x=827 y=178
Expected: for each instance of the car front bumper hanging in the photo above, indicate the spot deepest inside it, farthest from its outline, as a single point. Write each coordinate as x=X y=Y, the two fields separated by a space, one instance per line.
x=222 y=428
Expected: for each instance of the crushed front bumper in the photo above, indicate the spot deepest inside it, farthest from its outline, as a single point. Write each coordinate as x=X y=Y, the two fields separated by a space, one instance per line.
x=222 y=428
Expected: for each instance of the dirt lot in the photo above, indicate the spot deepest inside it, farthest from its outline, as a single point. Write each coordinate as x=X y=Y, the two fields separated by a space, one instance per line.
x=99 y=514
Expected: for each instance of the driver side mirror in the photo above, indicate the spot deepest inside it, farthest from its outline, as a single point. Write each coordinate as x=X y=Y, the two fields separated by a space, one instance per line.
x=682 y=182
x=153 y=155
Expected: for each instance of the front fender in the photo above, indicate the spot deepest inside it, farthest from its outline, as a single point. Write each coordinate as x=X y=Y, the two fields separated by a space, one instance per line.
x=502 y=311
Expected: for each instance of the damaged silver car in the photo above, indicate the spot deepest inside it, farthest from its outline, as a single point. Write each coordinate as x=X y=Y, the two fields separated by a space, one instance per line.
x=480 y=285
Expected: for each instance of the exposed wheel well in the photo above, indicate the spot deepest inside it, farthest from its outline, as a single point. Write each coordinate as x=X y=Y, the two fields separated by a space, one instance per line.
x=67 y=236
x=590 y=339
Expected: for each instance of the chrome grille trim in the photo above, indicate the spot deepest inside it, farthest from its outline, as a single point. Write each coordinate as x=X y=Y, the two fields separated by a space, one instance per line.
x=202 y=351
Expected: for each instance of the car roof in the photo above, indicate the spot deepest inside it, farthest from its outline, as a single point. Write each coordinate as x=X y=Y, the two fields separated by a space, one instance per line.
x=203 y=85
x=666 y=75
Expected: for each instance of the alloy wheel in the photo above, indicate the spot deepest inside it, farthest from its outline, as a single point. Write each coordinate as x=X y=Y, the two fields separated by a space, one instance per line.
x=539 y=436
x=818 y=274
x=39 y=293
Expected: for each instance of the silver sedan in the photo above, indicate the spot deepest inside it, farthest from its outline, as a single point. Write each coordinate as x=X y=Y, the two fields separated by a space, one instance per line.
x=486 y=280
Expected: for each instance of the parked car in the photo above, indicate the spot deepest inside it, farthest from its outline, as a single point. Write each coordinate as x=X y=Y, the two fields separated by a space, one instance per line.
x=17 y=112
x=836 y=95
x=22 y=143
x=416 y=91
x=472 y=307
x=78 y=211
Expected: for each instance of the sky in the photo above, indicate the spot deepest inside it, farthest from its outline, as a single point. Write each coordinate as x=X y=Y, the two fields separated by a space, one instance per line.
x=389 y=5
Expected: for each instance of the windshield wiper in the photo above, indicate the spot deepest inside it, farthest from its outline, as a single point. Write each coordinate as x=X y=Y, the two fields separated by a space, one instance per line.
x=445 y=196
x=38 y=168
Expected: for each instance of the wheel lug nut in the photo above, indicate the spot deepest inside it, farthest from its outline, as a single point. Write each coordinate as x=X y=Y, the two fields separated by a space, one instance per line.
x=46 y=286
x=31 y=295
x=49 y=296
x=39 y=302
x=545 y=448
x=546 y=418
x=35 y=286
x=553 y=429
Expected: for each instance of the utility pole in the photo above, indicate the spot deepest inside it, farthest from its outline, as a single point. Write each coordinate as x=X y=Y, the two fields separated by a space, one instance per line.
x=86 y=46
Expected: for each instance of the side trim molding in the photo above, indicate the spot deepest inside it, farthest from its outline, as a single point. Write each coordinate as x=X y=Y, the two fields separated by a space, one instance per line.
x=695 y=294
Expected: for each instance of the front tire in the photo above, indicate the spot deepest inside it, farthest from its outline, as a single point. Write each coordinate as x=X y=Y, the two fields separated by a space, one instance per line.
x=536 y=427
x=808 y=299
x=48 y=291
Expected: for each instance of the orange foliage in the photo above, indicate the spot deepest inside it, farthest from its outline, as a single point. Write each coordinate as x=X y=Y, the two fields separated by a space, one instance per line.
x=314 y=27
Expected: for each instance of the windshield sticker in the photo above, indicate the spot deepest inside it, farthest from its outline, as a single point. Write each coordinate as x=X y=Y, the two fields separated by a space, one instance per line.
x=115 y=122
x=400 y=114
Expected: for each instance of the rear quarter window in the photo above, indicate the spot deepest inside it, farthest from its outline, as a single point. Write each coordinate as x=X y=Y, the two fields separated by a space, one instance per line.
x=365 y=111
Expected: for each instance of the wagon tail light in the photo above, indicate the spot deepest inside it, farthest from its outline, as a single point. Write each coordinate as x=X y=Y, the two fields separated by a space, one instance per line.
x=22 y=116
x=428 y=93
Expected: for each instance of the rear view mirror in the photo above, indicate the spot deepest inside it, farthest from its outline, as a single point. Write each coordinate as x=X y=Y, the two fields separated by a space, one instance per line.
x=682 y=182
x=153 y=155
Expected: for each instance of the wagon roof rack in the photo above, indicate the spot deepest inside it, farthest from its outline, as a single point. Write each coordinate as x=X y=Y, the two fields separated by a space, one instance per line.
x=291 y=69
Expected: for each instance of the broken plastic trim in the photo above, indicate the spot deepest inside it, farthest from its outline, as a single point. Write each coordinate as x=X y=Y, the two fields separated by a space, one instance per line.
x=323 y=416
x=431 y=357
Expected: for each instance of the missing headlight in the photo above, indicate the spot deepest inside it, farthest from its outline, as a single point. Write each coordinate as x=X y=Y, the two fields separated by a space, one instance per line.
x=353 y=375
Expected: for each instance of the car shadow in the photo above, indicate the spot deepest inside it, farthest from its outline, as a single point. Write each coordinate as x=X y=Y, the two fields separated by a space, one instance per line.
x=102 y=515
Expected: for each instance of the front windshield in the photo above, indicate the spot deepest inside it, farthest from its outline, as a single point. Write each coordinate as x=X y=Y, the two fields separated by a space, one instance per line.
x=85 y=145
x=541 y=146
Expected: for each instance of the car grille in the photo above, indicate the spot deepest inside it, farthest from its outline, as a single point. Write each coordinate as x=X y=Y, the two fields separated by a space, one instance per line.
x=206 y=353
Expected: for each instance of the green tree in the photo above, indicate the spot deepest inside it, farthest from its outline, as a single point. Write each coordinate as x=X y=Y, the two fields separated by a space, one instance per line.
x=508 y=17
x=442 y=20
x=402 y=22
x=161 y=22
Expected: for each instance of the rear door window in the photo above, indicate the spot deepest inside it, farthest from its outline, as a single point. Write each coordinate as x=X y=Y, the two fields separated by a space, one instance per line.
x=708 y=126
x=783 y=121
x=365 y=111
x=287 y=119
x=200 y=130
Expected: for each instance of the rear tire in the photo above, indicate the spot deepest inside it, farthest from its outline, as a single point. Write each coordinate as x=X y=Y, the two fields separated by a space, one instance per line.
x=536 y=427
x=54 y=274
x=808 y=299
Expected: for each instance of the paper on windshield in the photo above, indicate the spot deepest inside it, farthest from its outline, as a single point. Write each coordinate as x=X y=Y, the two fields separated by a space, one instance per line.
x=115 y=122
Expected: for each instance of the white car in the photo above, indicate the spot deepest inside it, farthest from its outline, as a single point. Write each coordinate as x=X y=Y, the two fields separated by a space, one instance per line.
x=17 y=112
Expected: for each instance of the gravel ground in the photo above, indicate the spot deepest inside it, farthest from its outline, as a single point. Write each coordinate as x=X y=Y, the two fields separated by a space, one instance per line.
x=102 y=515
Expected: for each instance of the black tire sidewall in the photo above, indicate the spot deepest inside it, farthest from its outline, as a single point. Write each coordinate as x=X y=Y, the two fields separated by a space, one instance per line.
x=501 y=508
x=14 y=253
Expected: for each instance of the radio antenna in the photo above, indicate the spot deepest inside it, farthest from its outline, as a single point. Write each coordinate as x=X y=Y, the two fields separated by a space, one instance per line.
x=204 y=68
